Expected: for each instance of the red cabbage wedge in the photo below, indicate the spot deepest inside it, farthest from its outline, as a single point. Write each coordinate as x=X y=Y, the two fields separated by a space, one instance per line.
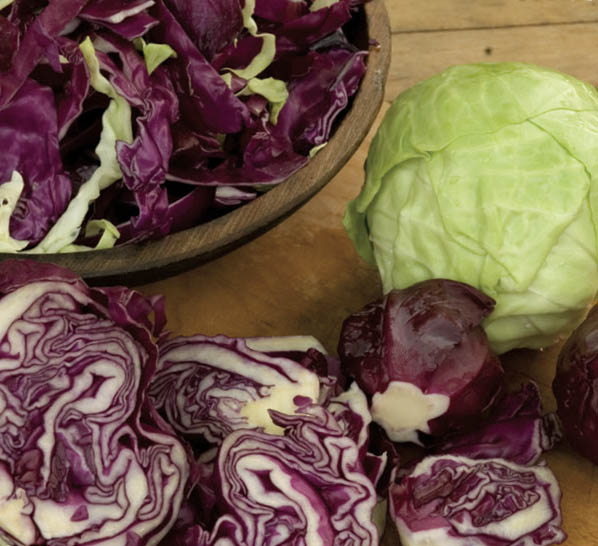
x=423 y=357
x=307 y=487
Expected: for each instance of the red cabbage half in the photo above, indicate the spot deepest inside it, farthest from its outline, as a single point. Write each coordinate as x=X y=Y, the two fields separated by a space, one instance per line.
x=84 y=457
x=284 y=452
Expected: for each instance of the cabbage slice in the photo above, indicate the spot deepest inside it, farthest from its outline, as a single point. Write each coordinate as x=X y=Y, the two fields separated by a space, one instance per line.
x=454 y=500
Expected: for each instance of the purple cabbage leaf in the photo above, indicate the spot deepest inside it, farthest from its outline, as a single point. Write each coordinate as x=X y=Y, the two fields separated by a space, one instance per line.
x=129 y=20
x=516 y=431
x=30 y=147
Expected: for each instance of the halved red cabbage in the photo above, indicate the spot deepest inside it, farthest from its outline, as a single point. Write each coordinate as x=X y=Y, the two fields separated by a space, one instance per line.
x=84 y=457
x=306 y=487
x=575 y=387
x=516 y=431
x=454 y=500
x=423 y=357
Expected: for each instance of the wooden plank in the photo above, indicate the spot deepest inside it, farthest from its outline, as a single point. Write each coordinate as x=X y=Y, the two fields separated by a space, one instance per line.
x=417 y=15
x=419 y=55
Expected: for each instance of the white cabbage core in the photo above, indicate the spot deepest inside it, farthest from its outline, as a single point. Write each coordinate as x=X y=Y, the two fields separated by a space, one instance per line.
x=403 y=409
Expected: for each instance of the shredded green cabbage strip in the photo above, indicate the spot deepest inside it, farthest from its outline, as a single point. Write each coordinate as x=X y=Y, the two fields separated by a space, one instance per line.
x=266 y=55
x=116 y=125
x=154 y=54
x=9 y=195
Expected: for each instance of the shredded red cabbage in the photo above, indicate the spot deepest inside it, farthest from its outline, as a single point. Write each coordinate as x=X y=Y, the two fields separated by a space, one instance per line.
x=227 y=94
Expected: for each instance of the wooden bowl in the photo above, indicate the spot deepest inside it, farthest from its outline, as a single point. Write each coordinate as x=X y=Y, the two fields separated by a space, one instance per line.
x=145 y=262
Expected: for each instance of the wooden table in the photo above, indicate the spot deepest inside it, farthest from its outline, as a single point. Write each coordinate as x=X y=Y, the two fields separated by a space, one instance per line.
x=304 y=277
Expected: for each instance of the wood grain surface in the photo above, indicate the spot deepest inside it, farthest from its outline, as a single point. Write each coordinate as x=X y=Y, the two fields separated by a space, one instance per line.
x=304 y=276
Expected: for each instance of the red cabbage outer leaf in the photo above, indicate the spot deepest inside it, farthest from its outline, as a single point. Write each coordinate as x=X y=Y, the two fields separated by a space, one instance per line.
x=317 y=97
x=211 y=24
x=516 y=431
x=29 y=143
x=453 y=500
x=39 y=40
x=423 y=357
x=210 y=386
x=77 y=432
x=575 y=387
x=18 y=273
x=306 y=487
x=207 y=99
x=129 y=20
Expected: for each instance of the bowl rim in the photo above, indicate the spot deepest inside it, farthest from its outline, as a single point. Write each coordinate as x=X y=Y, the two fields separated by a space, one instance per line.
x=138 y=263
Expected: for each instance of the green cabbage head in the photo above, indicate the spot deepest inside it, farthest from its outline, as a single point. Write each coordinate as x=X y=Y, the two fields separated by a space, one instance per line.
x=488 y=174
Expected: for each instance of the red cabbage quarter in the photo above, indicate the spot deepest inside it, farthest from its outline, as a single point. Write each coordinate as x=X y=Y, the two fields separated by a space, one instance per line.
x=423 y=357
x=307 y=487
x=210 y=386
x=84 y=457
x=575 y=387
x=457 y=501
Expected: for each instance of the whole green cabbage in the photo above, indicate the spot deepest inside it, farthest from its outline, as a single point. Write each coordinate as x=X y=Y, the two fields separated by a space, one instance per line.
x=488 y=174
